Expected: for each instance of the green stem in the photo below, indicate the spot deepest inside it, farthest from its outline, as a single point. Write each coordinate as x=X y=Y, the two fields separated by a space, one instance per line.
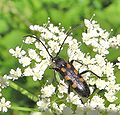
x=23 y=91
x=24 y=108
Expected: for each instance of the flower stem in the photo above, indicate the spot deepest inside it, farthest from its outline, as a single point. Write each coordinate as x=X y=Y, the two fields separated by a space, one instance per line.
x=23 y=91
x=24 y=108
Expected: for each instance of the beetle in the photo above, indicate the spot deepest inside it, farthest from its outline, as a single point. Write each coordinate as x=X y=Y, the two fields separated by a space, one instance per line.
x=68 y=71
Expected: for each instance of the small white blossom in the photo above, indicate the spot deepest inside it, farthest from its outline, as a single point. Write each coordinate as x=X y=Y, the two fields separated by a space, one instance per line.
x=33 y=55
x=108 y=69
x=29 y=40
x=53 y=29
x=28 y=72
x=110 y=96
x=74 y=99
x=58 y=109
x=96 y=69
x=25 y=61
x=39 y=46
x=37 y=75
x=15 y=74
x=4 y=105
x=112 y=107
x=62 y=106
x=4 y=81
x=87 y=60
x=18 y=52
x=48 y=91
x=43 y=104
x=54 y=46
x=111 y=86
x=38 y=70
x=100 y=60
x=101 y=84
x=62 y=88
x=97 y=102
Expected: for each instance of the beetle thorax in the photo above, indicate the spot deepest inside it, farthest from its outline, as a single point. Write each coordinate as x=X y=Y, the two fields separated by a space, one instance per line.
x=59 y=62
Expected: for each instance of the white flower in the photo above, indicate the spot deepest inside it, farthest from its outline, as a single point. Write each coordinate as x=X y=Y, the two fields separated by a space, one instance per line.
x=34 y=55
x=62 y=88
x=100 y=60
x=37 y=74
x=29 y=40
x=74 y=99
x=110 y=96
x=38 y=70
x=4 y=81
x=18 y=52
x=43 y=104
x=28 y=72
x=4 y=105
x=112 y=107
x=15 y=74
x=96 y=69
x=54 y=46
x=97 y=102
x=58 y=109
x=53 y=29
x=108 y=69
x=87 y=60
x=39 y=46
x=25 y=61
x=96 y=37
x=48 y=91
x=111 y=86
x=101 y=84
x=62 y=106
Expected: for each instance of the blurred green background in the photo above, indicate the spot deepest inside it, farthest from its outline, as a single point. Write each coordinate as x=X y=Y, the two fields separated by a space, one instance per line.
x=17 y=15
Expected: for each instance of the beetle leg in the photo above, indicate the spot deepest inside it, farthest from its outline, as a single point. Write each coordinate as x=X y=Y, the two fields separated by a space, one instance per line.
x=55 y=69
x=90 y=72
x=69 y=89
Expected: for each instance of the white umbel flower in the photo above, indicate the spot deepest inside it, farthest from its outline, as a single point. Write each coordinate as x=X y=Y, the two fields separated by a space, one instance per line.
x=18 y=52
x=15 y=74
x=97 y=102
x=4 y=105
x=29 y=40
x=48 y=91
x=43 y=104
x=4 y=81
x=62 y=87
x=28 y=72
x=25 y=61
x=74 y=99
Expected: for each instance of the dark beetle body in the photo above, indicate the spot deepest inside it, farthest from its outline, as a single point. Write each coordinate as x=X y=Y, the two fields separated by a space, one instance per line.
x=68 y=72
x=71 y=75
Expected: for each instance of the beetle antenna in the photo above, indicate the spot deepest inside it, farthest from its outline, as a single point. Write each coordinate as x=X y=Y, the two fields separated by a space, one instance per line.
x=68 y=33
x=41 y=43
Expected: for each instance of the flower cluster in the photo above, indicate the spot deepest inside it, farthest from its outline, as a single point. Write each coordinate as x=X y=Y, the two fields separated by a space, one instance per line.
x=4 y=105
x=54 y=96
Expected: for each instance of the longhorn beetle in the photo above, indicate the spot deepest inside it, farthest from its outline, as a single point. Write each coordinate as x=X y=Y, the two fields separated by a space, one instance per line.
x=68 y=71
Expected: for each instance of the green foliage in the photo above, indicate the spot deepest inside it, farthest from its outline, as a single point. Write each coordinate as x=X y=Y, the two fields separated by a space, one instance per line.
x=17 y=15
